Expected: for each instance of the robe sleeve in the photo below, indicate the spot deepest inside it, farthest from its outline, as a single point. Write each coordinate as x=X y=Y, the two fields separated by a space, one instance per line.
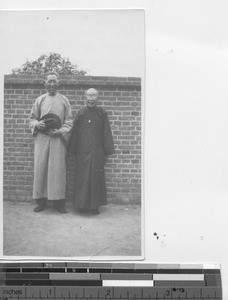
x=68 y=122
x=73 y=142
x=107 y=136
x=34 y=117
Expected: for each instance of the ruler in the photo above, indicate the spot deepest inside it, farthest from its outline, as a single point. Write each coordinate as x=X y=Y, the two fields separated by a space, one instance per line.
x=78 y=280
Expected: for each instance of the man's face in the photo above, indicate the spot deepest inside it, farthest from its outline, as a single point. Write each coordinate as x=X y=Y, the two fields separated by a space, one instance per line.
x=52 y=84
x=91 y=98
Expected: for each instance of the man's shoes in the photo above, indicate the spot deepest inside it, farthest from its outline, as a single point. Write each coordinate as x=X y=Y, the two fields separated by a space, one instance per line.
x=59 y=205
x=62 y=210
x=39 y=208
x=42 y=204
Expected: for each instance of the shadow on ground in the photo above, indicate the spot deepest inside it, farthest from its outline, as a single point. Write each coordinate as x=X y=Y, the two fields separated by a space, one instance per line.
x=115 y=232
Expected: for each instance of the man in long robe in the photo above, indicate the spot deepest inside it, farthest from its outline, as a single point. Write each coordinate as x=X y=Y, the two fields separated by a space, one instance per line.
x=91 y=142
x=50 y=146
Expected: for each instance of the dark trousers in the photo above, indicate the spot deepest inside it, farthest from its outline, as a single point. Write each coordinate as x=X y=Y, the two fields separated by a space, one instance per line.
x=56 y=203
x=42 y=201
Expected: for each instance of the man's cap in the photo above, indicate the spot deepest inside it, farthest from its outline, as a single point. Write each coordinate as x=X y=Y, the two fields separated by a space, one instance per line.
x=51 y=121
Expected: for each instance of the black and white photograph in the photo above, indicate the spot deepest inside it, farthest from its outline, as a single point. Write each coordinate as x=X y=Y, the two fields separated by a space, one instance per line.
x=114 y=137
x=73 y=133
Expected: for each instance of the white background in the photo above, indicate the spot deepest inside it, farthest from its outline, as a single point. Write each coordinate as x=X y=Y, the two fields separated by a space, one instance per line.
x=103 y=42
x=186 y=127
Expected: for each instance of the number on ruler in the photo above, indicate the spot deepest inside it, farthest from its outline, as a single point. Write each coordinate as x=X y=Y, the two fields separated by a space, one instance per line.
x=108 y=293
x=178 y=290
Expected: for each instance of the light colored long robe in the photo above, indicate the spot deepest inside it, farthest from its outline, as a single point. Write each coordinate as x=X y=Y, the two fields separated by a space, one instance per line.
x=50 y=152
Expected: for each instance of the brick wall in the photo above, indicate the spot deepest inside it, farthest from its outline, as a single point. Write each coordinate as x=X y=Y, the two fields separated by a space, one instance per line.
x=121 y=98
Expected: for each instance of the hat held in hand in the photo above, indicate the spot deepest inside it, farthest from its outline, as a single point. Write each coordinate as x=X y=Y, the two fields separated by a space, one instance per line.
x=51 y=121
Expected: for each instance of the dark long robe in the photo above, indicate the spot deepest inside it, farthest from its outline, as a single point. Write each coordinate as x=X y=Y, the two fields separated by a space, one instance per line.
x=91 y=141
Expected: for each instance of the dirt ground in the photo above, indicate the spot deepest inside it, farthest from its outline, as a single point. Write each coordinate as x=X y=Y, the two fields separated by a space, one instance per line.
x=116 y=231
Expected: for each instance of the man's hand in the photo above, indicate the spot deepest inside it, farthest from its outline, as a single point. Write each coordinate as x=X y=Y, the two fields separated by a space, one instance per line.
x=54 y=132
x=40 y=125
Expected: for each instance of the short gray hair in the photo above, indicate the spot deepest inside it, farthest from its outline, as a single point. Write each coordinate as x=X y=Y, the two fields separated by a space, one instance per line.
x=52 y=73
x=92 y=90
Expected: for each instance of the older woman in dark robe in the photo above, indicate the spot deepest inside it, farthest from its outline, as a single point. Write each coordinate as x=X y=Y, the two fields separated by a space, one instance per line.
x=91 y=142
